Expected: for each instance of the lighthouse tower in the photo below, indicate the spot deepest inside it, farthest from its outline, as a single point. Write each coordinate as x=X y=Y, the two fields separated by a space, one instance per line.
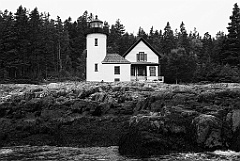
x=96 y=51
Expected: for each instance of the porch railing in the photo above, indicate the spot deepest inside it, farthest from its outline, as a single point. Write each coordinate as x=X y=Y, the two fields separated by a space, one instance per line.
x=148 y=78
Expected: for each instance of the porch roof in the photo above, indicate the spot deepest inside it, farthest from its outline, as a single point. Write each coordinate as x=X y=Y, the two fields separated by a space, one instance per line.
x=144 y=63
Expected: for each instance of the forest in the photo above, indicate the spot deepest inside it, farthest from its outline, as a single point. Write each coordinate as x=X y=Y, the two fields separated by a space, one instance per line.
x=35 y=47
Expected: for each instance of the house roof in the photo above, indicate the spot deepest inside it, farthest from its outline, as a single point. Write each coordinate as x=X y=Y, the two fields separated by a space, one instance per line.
x=144 y=41
x=113 y=58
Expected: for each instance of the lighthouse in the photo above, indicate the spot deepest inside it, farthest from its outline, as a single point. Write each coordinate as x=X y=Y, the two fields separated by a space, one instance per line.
x=96 y=51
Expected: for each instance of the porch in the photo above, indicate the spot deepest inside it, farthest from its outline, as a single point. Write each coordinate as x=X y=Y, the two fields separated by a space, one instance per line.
x=146 y=72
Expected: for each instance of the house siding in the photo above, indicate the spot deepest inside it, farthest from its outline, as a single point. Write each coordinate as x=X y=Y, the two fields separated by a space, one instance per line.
x=109 y=76
x=142 y=47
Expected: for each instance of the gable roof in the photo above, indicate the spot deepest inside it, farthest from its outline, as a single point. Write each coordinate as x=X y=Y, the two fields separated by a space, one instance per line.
x=145 y=42
x=113 y=58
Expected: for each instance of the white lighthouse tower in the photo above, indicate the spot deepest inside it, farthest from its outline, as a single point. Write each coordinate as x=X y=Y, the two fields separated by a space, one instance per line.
x=96 y=51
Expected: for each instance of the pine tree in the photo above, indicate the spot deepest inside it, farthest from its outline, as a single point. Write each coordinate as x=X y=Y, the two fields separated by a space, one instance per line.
x=206 y=56
x=218 y=47
x=231 y=55
x=21 y=43
x=7 y=49
x=125 y=42
x=142 y=33
x=115 y=37
x=151 y=36
x=195 y=43
x=120 y=29
x=106 y=27
x=183 y=41
x=180 y=66
x=168 y=39
x=36 y=53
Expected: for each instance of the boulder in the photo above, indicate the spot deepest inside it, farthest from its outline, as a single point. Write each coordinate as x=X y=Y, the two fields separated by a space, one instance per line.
x=94 y=109
x=233 y=120
x=157 y=106
x=78 y=106
x=156 y=134
x=98 y=96
x=87 y=92
x=208 y=131
x=127 y=108
x=4 y=108
x=142 y=104
x=33 y=105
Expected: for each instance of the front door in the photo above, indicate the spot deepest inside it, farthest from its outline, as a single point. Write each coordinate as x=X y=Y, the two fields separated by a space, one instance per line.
x=142 y=71
x=139 y=72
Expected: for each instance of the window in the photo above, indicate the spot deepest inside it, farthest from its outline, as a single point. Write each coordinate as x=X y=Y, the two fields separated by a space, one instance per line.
x=116 y=80
x=141 y=56
x=96 y=42
x=117 y=70
x=96 y=67
x=152 y=71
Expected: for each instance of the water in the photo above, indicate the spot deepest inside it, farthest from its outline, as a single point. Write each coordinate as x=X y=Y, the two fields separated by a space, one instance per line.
x=52 y=153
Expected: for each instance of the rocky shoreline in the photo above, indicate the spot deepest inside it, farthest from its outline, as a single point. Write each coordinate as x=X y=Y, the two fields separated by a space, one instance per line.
x=142 y=118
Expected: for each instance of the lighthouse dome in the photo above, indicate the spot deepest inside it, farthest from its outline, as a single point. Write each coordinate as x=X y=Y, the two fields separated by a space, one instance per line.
x=96 y=23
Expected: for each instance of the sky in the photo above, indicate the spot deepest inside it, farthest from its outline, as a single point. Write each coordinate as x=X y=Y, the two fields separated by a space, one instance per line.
x=206 y=15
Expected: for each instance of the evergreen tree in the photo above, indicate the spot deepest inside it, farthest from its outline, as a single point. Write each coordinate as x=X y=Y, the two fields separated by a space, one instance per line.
x=180 y=66
x=7 y=49
x=106 y=27
x=120 y=29
x=196 y=44
x=49 y=46
x=183 y=41
x=218 y=48
x=36 y=53
x=168 y=42
x=151 y=36
x=21 y=43
x=125 y=42
x=206 y=56
x=142 y=33
x=231 y=54
x=115 y=37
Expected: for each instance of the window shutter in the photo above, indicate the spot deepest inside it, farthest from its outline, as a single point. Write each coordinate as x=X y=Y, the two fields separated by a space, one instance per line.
x=138 y=57
x=145 y=57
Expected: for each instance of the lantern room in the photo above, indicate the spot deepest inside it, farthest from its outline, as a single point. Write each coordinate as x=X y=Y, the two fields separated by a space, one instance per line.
x=96 y=23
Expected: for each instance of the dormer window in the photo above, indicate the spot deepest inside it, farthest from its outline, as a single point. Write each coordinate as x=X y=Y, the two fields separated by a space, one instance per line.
x=141 y=56
x=96 y=42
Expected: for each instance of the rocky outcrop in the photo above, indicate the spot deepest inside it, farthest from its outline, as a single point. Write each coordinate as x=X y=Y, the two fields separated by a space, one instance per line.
x=157 y=133
x=149 y=118
x=176 y=129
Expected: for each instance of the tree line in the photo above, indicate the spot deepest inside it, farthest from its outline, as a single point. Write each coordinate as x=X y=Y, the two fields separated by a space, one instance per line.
x=33 y=46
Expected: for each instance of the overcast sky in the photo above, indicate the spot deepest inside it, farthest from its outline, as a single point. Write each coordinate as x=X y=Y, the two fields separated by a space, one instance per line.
x=206 y=15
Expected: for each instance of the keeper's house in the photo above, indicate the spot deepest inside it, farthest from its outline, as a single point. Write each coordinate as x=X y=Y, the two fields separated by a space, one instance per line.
x=141 y=62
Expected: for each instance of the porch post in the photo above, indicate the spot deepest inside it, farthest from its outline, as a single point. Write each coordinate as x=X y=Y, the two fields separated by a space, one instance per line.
x=146 y=73
x=159 y=70
x=136 y=71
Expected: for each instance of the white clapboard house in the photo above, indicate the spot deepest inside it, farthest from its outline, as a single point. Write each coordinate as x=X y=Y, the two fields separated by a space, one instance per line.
x=141 y=62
